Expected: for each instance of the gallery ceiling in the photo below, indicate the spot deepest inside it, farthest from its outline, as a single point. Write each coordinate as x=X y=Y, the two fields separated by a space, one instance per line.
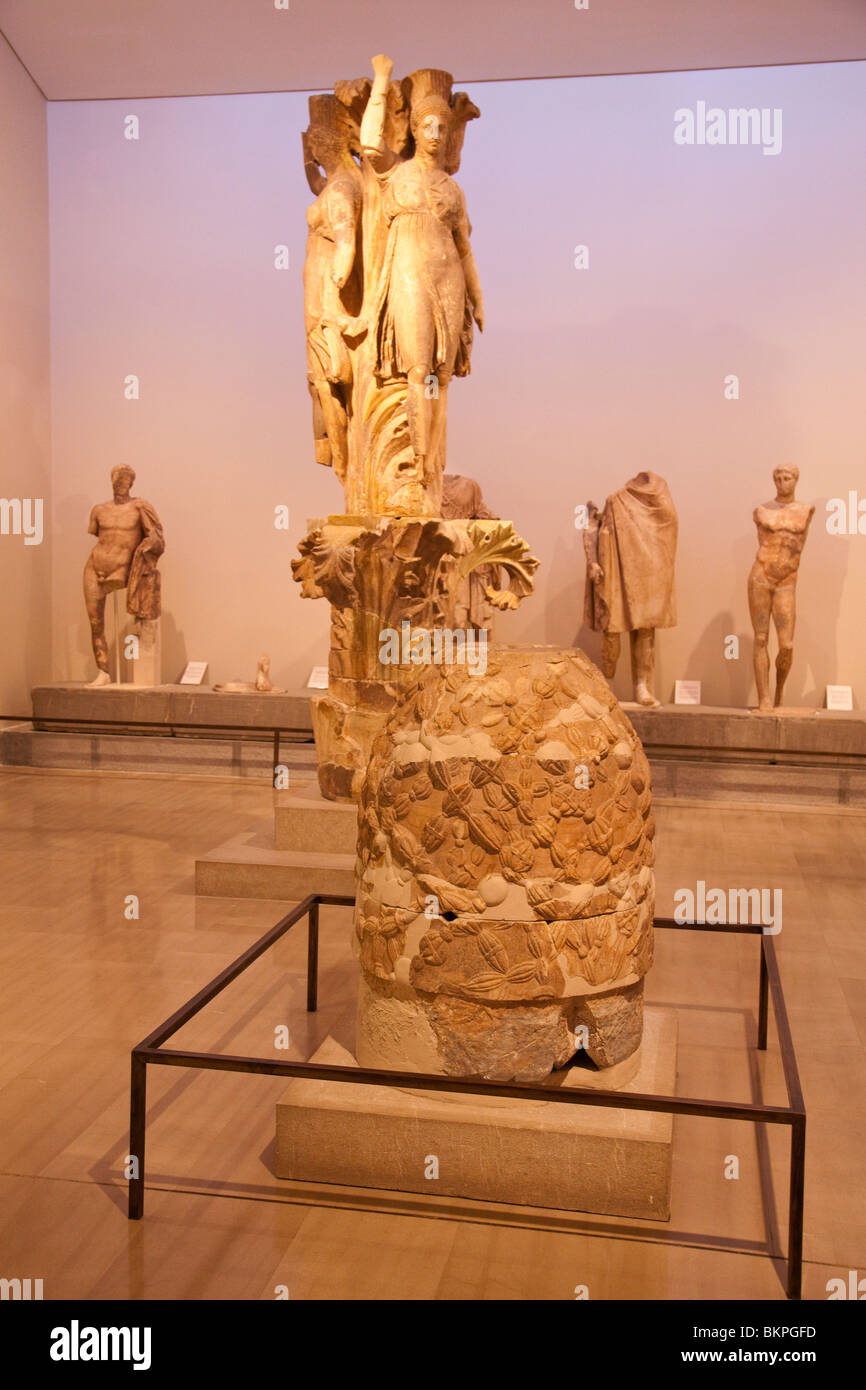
x=79 y=49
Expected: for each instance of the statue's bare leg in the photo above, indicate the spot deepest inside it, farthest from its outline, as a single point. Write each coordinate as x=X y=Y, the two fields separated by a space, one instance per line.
x=643 y=651
x=438 y=392
x=419 y=410
x=784 y=614
x=94 y=600
x=610 y=646
x=417 y=336
x=760 y=605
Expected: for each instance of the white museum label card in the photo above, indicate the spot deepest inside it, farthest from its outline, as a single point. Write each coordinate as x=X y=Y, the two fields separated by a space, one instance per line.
x=194 y=673
x=318 y=678
x=687 y=693
x=840 y=697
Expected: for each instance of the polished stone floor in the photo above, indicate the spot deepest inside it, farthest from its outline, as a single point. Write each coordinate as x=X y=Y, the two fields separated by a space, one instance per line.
x=81 y=982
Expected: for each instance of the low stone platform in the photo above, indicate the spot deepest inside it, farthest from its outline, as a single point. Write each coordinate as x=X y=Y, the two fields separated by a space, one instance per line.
x=248 y=866
x=815 y=757
x=719 y=734
x=167 y=704
x=184 y=755
x=312 y=851
x=304 y=820
x=695 y=752
x=529 y=1153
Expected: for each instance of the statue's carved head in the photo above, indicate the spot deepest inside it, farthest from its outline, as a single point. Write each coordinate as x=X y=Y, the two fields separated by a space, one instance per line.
x=437 y=116
x=431 y=124
x=786 y=477
x=327 y=138
x=122 y=477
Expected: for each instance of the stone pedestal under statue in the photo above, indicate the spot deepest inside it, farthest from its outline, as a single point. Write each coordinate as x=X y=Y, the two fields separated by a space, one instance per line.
x=524 y=1153
x=138 y=644
x=503 y=927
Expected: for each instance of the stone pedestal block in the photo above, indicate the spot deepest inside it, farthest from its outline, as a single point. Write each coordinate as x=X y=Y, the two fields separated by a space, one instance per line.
x=527 y=1153
x=306 y=821
x=247 y=866
x=146 y=668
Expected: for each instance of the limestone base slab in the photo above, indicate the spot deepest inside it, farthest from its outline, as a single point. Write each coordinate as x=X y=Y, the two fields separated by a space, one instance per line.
x=527 y=1153
x=145 y=669
x=305 y=820
x=247 y=866
x=167 y=704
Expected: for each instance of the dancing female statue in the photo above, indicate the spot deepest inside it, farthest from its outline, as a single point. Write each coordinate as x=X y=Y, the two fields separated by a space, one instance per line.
x=427 y=292
x=331 y=282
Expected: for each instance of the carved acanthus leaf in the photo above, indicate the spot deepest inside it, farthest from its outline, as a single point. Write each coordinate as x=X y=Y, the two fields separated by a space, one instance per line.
x=497 y=543
x=325 y=570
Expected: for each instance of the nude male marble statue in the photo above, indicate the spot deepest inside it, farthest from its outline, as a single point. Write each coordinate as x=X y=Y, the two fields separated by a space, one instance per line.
x=129 y=543
x=783 y=525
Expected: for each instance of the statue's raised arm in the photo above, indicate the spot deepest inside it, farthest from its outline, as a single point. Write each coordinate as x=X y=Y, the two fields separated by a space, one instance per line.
x=373 y=145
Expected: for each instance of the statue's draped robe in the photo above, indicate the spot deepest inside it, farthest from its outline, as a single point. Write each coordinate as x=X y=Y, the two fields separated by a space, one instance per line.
x=637 y=541
x=421 y=273
x=143 y=597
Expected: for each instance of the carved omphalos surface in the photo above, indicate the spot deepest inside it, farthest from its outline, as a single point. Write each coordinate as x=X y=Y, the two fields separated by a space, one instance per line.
x=505 y=852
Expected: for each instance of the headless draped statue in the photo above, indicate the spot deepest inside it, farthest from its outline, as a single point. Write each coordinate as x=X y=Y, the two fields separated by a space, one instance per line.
x=630 y=553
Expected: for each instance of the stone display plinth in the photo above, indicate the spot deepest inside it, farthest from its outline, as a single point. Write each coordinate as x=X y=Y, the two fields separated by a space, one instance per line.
x=305 y=820
x=312 y=850
x=145 y=669
x=527 y=1153
x=167 y=705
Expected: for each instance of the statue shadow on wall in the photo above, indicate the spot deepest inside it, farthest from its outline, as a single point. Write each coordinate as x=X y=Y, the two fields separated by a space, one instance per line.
x=74 y=652
x=727 y=682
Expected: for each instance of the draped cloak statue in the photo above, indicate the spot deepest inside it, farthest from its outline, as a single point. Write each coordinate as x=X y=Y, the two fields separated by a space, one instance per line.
x=630 y=550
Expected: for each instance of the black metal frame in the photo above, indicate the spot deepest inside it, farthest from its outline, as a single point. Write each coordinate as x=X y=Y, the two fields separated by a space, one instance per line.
x=167 y=726
x=151 y=1051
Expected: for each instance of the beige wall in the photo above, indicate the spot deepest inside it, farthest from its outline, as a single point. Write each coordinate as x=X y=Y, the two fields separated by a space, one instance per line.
x=704 y=261
x=25 y=578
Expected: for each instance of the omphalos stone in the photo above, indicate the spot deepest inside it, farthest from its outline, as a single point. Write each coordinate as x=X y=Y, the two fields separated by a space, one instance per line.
x=505 y=885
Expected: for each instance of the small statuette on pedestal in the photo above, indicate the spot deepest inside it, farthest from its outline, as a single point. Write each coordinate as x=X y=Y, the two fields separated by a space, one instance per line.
x=262 y=685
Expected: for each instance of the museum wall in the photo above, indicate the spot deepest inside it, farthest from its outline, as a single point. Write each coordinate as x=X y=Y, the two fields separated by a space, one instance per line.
x=703 y=262
x=25 y=546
